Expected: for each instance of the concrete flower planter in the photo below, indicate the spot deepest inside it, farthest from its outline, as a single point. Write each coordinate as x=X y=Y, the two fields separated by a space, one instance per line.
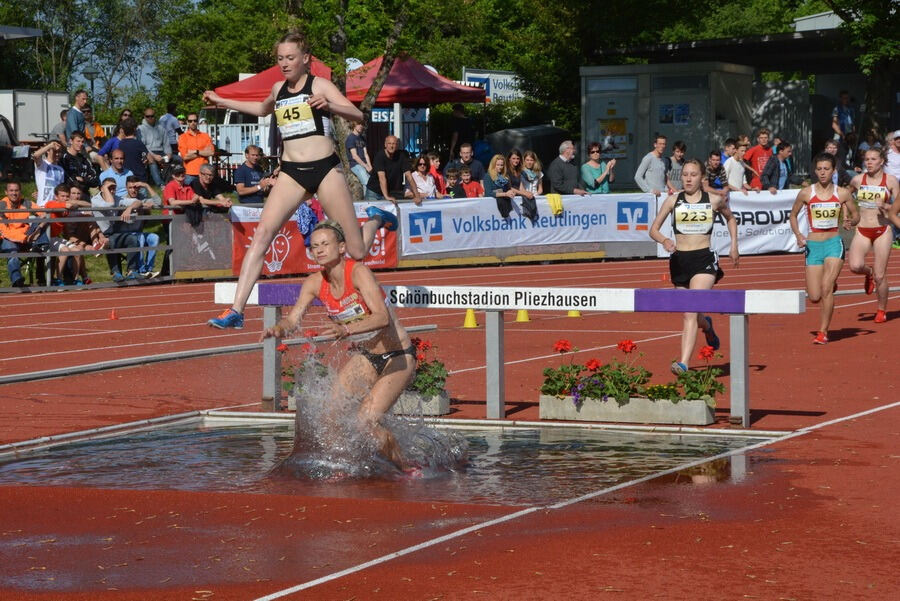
x=413 y=403
x=636 y=410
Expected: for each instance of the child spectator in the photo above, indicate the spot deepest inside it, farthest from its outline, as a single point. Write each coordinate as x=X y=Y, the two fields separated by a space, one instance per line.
x=435 y=172
x=83 y=235
x=728 y=150
x=454 y=188
x=471 y=187
x=674 y=165
x=58 y=243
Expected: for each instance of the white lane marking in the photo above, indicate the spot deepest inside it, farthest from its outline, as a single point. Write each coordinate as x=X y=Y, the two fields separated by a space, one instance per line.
x=556 y=506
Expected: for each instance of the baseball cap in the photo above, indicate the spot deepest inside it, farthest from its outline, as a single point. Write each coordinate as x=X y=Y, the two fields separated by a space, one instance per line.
x=896 y=135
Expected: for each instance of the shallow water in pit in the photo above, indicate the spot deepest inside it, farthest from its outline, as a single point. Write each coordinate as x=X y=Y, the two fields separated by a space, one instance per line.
x=503 y=467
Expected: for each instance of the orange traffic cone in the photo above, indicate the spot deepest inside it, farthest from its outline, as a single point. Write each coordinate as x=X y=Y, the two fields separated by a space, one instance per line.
x=112 y=314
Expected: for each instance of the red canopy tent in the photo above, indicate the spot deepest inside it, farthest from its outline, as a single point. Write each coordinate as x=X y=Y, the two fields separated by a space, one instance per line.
x=409 y=83
x=257 y=88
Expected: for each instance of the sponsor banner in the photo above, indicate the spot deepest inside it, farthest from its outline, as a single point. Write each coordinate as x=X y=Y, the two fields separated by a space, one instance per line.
x=468 y=223
x=288 y=255
x=763 y=224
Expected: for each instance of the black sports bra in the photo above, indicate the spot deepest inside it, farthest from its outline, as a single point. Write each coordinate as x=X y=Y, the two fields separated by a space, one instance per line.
x=295 y=118
x=692 y=218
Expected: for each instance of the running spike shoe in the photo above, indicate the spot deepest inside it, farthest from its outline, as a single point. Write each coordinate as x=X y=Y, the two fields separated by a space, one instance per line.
x=678 y=368
x=820 y=338
x=388 y=219
x=711 y=338
x=880 y=316
x=869 y=284
x=228 y=319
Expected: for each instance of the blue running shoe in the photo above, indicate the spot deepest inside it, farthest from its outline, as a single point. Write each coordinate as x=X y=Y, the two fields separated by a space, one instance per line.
x=678 y=368
x=118 y=277
x=228 y=319
x=388 y=220
x=711 y=338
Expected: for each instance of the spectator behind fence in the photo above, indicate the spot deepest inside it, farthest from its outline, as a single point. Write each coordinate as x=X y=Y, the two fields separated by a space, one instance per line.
x=136 y=154
x=497 y=186
x=210 y=194
x=735 y=179
x=141 y=199
x=170 y=125
x=472 y=187
x=119 y=233
x=76 y=166
x=195 y=148
x=842 y=176
x=358 y=155
x=777 y=173
x=715 y=180
x=47 y=172
x=515 y=170
x=83 y=235
x=728 y=149
x=674 y=165
x=565 y=177
x=422 y=180
x=844 y=118
x=453 y=186
x=117 y=172
x=18 y=237
x=249 y=179
x=390 y=171
x=757 y=157
x=59 y=243
x=532 y=175
x=651 y=173
x=467 y=159
x=435 y=170
x=58 y=131
x=154 y=138
x=94 y=138
x=597 y=174
x=75 y=118
x=463 y=133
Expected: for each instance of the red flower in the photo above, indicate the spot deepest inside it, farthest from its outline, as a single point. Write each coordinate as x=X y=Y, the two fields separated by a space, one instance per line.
x=626 y=346
x=417 y=342
x=307 y=348
x=420 y=356
x=310 y=333
x=706 y=353
x=562 y=346
x=282 y=348
x=593 y=364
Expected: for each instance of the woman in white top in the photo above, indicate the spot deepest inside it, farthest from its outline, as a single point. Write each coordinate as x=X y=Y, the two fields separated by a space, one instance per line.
x=422 y=179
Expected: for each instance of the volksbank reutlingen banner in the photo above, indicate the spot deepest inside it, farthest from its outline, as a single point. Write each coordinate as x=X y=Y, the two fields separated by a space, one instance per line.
x=763 y=220
x=467 y=223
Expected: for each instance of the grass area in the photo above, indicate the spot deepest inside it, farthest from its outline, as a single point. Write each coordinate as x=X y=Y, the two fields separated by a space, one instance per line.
x=97 y=267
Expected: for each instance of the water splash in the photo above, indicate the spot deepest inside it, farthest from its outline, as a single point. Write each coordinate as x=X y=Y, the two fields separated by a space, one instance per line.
x=332 y=443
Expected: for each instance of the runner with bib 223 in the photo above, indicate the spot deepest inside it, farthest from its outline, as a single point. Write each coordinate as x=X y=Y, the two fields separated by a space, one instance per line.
x=692 y=263
x=303 y=105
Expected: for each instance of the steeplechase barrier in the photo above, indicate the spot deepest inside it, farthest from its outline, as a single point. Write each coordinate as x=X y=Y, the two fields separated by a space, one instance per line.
x=739 y=305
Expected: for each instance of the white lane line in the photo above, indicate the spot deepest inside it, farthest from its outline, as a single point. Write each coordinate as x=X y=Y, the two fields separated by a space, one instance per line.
x=523 y=512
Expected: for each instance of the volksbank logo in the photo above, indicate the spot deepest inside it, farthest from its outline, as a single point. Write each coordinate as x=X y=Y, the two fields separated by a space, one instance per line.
x=425 y=226
x=631 y=215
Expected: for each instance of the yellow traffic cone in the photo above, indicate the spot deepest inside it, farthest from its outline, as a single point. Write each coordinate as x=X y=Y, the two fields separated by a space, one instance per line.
x=470 y=319
x=522 y=315
x=573 y=313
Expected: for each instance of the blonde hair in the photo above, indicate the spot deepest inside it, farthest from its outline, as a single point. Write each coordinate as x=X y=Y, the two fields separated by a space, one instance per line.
x=492 y=166
x=538 y=168
x=293 y=37
x=334 y=226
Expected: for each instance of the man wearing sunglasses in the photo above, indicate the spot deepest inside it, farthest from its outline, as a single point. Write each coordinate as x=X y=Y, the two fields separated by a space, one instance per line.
x=195 y=147
x=154 y=138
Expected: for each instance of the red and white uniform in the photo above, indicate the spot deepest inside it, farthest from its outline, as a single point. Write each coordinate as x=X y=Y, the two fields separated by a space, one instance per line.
x=823 y=214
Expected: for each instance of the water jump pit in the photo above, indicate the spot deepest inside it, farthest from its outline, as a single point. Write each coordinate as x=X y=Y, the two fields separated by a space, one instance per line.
x=478 y=462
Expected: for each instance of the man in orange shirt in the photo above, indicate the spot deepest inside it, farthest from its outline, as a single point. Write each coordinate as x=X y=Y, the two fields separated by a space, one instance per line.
x=18 y=237
x=58 y=243
x=757 y=157
x=195 y=147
